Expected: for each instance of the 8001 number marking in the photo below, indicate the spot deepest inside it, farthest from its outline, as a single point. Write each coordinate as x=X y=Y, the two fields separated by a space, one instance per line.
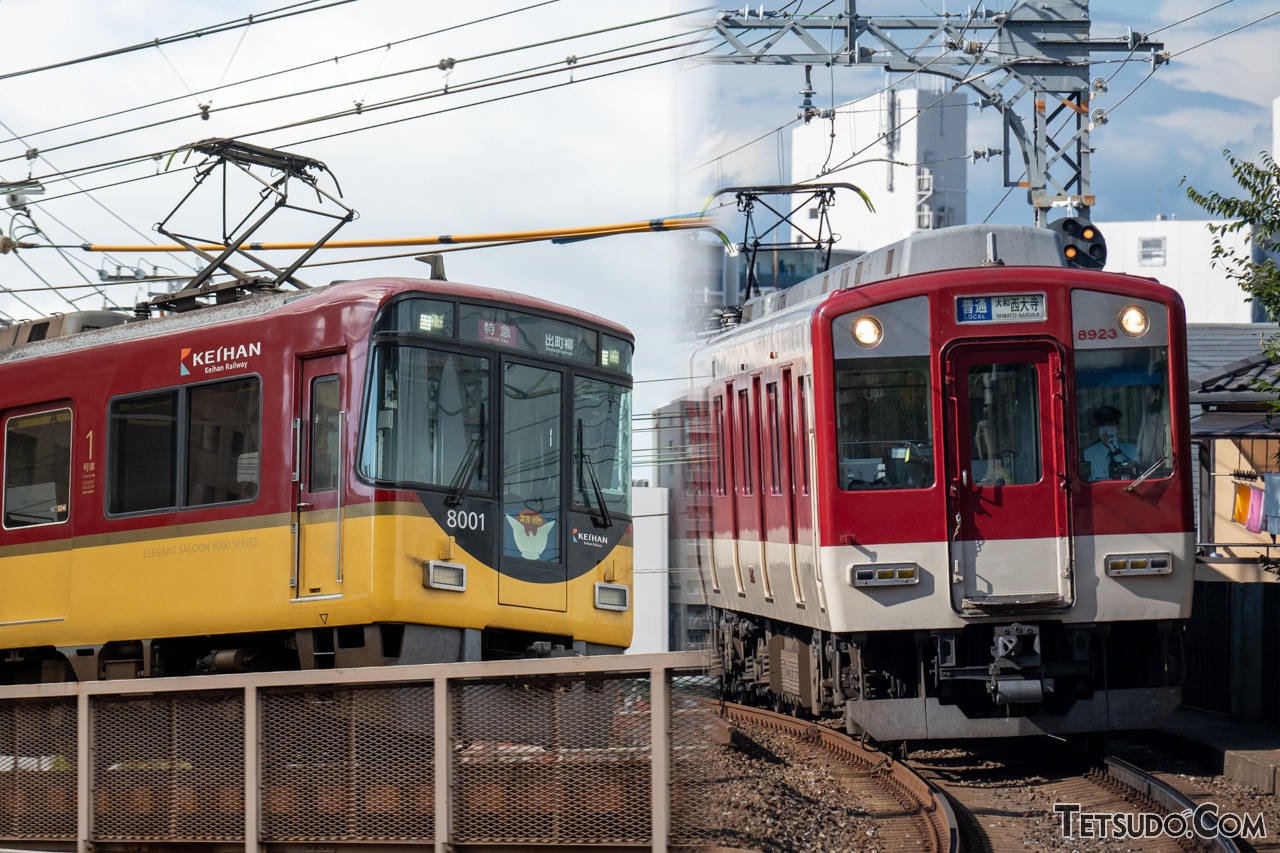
x=1095 y=334
x=463 y=520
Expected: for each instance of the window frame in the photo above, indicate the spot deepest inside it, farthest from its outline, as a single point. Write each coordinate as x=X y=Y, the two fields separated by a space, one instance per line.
x=182 y=458
x=492 y=400
x=575 y=487
x=4 y=471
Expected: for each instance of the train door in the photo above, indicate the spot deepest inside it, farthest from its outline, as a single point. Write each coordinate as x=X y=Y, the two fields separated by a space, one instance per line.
x=779 y=517
x=1008 y=508
x=319 y=446
x=41 y=482
x=534 y=506
x=722 y=527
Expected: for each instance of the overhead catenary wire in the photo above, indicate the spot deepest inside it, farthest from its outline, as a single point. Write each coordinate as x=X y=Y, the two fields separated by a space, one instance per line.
x=303 y=67
x=558 y=68
x=363 y=108
x=262 y=18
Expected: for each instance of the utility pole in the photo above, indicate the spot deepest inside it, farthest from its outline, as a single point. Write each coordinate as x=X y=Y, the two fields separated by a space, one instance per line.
x=1035 y=53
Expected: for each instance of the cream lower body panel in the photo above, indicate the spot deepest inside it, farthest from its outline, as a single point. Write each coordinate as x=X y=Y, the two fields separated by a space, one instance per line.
x=932 y=602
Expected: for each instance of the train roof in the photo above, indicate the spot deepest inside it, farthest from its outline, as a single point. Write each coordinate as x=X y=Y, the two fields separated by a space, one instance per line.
x=88 y=329
x=958 y=247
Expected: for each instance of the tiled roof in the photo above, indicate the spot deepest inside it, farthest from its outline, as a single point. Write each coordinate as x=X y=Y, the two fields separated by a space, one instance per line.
x=1212 y=345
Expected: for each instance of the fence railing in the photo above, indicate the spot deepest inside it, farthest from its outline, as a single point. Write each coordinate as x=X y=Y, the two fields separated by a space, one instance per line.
x=606 y=751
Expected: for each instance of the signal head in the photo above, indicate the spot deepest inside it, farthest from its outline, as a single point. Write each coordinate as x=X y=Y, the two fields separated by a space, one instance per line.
x=1082 y=243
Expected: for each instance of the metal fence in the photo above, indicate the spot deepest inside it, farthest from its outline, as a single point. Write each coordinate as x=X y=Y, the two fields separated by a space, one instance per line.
x=604 y=751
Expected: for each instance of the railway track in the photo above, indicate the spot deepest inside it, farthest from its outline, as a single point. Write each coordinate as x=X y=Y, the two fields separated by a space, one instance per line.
x=908 y=812
x=1012 y=795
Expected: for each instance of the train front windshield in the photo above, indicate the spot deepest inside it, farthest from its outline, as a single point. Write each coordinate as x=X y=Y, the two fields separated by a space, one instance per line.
x=427 y=420
x=1122 y=413
x=520 y=419
x=884 y=423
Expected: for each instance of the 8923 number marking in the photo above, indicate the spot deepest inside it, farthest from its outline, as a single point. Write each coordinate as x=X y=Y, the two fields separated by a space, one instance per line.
x=1095 y=334
x=460 y=519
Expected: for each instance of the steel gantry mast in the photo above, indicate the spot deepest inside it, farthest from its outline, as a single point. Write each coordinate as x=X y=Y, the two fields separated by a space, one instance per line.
x=1037 y=52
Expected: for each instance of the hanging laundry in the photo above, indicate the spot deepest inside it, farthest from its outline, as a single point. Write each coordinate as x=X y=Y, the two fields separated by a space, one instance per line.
x=1241 y=513
x=1271 y=501
x=1256 y=520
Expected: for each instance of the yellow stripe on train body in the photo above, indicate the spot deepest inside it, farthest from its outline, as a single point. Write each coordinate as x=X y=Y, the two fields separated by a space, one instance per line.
x=234 y=577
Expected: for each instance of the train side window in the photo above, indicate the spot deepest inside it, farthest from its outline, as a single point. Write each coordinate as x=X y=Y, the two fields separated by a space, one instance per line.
x=802 y=400
x=775 y=448
x=185 y=447
x=744 y=440
x=142 y=465
x=884 y=423
x=37 y=469
x=323 y=458
x=721 y=457
x=223 y=432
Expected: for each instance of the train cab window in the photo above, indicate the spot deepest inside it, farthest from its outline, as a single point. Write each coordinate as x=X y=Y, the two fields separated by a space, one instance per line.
x=427 y=419
x=602 y=445
x=884 y=423
x=37 y=469
x=1122 y=413
x=1004 y=424
x=531 y=462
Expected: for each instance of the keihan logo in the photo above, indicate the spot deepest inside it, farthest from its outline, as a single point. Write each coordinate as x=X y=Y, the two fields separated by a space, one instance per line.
x=218 y=359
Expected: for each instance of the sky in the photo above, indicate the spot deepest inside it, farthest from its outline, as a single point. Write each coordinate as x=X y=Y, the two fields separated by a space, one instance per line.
x=574 y=151
x=1162 y=127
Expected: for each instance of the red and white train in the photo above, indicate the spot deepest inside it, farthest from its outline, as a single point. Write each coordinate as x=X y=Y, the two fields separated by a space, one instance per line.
x=949 y=491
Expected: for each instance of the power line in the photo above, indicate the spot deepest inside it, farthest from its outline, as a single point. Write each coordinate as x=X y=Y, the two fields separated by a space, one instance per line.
x=1190 y=17
x=302 y=67
x=248 y=20
x=1227 y=33
x=541 y=71
x=361 y=108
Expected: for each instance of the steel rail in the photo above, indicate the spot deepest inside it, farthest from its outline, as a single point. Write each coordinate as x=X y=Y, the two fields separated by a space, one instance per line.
x=931 y=802
x=1163 y=795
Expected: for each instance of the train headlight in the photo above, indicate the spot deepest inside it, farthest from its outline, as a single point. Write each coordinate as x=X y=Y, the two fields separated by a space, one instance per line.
x=1126 y=565
x=867 y=331
x=612 y=596
x=1134 y=321
x=884 y=574
x=437 y=574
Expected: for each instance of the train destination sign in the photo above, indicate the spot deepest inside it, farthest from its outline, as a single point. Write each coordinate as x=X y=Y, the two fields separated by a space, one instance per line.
x=1005 y=308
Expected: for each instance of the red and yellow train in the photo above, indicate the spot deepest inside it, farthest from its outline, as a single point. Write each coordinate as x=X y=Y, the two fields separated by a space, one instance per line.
x=378 y=471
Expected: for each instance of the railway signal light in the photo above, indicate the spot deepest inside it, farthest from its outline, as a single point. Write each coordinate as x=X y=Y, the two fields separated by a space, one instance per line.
x=1082 y=243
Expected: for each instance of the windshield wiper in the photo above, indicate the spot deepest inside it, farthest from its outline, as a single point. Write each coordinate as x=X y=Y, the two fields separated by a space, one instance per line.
x=1159 y=463
x=605 y=519
x=472 y=461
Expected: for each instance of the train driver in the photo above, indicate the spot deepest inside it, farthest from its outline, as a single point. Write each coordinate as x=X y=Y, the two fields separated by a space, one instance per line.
x=1110 y=458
